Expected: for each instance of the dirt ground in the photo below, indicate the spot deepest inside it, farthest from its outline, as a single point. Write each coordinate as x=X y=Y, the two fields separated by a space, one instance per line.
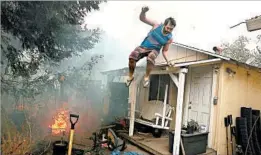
x=132 y=148
x=135 y=149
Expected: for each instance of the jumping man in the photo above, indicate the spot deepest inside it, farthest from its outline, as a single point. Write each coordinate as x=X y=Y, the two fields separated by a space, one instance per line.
x=159 y=36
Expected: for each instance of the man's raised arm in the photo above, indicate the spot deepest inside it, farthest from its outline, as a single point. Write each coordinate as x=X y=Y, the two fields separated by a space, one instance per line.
x=144 y=19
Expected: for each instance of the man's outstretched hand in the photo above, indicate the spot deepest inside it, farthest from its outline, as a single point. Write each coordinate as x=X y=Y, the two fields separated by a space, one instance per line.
x=145 y=9
x=171 y=64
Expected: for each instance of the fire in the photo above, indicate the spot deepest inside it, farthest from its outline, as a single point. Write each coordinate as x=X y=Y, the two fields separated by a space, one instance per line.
x=60 y=121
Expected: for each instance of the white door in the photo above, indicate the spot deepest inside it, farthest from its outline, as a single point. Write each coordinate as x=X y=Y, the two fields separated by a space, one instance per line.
x=200 y=95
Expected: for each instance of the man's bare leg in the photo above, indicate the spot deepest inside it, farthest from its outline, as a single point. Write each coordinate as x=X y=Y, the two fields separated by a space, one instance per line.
x=132 y=65
x=147 y=75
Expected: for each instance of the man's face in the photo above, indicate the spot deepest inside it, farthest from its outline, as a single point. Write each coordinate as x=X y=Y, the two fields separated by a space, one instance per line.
x=168 y=28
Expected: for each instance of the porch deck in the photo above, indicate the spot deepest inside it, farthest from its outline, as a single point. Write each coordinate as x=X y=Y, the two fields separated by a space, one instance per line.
x=157 y=146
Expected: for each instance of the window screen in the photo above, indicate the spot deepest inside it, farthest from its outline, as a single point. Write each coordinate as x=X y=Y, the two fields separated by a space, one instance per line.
x=157 y=87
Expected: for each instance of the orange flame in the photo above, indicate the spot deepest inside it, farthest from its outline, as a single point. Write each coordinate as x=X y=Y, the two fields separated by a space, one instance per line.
x=60 y=121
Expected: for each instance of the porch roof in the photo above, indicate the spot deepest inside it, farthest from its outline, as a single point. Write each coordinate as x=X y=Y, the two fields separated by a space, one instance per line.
x=122 y=70
x=201 y=51
x=215 y=55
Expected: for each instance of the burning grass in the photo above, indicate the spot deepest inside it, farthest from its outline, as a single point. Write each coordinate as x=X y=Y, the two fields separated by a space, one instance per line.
x=15 y=144
x=33 y=129
x=20 y=140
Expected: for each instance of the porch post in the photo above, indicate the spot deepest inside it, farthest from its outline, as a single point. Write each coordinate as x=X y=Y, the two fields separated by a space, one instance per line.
x=132 y=101
x=181 y=84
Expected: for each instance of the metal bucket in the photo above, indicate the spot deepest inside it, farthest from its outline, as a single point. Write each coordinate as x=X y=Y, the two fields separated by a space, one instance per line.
x=60 y=147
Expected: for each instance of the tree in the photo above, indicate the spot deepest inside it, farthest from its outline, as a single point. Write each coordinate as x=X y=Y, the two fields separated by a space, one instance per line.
x=238 y=50
x=40 y=34
x=35 y=33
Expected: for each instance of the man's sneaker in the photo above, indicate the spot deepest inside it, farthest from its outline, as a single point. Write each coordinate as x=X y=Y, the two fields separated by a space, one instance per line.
x=129 y=80
x=146 y=83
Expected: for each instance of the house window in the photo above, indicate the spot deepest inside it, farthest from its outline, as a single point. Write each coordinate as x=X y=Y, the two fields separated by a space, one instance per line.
x=157 y=87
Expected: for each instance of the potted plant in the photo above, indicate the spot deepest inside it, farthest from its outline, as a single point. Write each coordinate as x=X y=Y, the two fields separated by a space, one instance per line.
x=193 y=142
x=192 y=126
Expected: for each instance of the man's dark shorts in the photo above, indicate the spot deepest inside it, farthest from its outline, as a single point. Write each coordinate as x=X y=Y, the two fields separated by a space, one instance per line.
x=140 y=53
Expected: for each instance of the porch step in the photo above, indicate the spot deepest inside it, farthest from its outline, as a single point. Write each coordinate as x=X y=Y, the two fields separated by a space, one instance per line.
x=156 y=146
x=210 y=152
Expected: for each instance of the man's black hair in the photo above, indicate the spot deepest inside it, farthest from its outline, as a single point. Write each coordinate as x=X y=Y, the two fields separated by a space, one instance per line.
x=171 y=20
x=215 y=48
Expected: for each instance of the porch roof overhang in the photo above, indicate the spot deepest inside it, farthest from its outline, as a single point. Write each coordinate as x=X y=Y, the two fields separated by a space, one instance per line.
x=199 y=63
x=165 y=69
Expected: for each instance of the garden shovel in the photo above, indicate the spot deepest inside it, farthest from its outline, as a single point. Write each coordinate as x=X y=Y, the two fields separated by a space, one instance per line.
x=72 y=131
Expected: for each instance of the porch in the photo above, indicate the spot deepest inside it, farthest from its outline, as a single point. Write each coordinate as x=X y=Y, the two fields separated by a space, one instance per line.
x=193 y=83
x=178 y=77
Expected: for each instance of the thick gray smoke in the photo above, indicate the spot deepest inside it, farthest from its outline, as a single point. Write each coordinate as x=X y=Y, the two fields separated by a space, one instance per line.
x=83 y=91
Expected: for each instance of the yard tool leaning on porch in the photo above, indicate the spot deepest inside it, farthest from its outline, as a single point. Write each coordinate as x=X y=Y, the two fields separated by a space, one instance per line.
x=230 y=122
x=72 y=131
x=226 y=125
